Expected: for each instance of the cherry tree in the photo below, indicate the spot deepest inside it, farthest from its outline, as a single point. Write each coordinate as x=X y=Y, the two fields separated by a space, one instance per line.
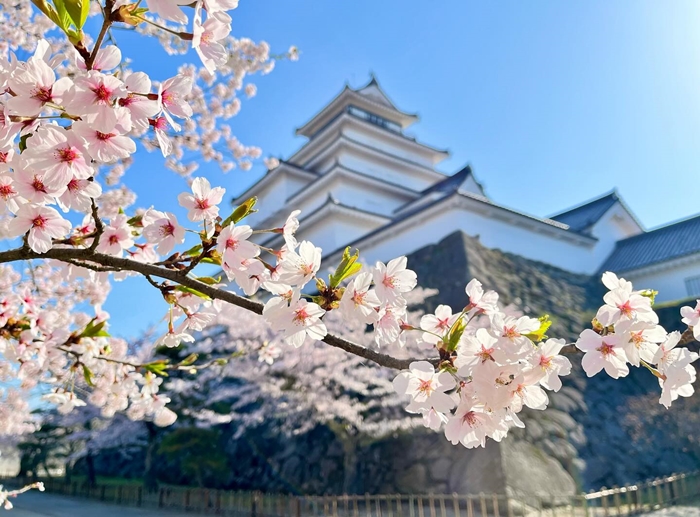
x=73 y=115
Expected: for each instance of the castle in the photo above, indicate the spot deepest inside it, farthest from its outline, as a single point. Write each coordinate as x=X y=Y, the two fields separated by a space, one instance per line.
x=360 y=181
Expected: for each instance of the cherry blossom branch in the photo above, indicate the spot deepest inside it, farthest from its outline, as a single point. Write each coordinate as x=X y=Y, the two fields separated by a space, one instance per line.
x=70 y=255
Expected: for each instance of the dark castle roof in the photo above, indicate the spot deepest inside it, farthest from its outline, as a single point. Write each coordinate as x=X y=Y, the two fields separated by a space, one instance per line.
x=581 y=218
x=451 y=183
x=668 y=242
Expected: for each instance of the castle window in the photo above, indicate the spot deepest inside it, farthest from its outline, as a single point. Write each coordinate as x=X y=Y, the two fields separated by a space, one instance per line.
x=692 y=285
x=374 y=119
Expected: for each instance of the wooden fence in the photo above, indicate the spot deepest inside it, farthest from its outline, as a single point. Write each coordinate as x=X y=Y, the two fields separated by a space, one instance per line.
x=629 y=500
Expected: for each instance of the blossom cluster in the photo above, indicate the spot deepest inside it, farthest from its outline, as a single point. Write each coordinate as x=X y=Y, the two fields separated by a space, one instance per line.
x=627 y=332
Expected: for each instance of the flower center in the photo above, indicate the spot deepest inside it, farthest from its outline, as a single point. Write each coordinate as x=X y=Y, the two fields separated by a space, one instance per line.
x=307 y=269
x=74 y=185
x=485 y=354
x=626 y=309
x=42 y=94
x=545 y=362
x=606 y=349
x=102 y=93
x=167 y=229
x=388 y=282
x=167 y=98
x=300 y=316
x=202 y=204
x=6 y=191
x=113 y=239
x=231 y=244
x=510 y=332
x=358 y=297
x=426 y=387
x=103 y=136
x=3 y=157
x=38 y=222
x=38 y=185
x=470 y=419
x=67 y=154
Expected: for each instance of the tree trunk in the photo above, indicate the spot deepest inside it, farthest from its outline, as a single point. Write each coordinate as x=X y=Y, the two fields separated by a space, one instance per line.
x=150 y=476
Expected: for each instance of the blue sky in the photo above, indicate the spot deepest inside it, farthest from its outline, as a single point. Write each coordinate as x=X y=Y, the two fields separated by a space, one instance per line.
x=552 y=103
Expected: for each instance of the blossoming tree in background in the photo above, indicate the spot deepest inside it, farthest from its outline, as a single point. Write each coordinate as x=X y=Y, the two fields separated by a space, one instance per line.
x=73 y=115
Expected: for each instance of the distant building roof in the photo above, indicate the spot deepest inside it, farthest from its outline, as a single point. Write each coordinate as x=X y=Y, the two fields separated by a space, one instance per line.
x=666 y=243
x=582 y=218
x=450 y=183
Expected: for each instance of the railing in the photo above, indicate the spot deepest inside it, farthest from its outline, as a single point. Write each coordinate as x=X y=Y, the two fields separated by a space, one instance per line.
x=629 y=500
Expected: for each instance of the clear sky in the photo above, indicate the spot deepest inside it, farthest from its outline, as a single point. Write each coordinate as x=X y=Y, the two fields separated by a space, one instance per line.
x=552 y=103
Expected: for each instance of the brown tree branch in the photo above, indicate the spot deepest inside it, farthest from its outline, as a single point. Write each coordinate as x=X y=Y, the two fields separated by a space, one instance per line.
x=70 y=255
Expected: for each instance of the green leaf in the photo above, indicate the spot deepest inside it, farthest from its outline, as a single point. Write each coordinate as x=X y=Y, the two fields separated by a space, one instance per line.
x=78 y=11
x=64 y=16
x=452 y=339
x=209 y=280
x=541 y=333
x=23 y=142
x=95 y=330
x=48 y=10
x=189 y=360
x=212 y=260
x=157 y=368
x=348 y=267
x=194 y=251
x=649 y=293
x=243 y=210
x=88 y=376
x=185 y=289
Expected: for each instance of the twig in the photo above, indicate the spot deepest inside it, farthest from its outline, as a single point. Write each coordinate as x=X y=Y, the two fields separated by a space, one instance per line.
x=124 y=264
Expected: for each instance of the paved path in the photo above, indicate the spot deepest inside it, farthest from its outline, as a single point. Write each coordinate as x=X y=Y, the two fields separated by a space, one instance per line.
x=676 y=511
x=37 y=504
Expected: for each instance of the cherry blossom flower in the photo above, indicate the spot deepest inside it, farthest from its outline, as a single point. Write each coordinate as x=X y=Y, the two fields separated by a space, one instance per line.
x=299 y=267
x=640 y=339
x=206 y=40
x=549 y=365
x=79 y=194
x=116 y=237
x=33 y=187
x=172 y=339
x=602 y=352
x=162 y=230
x=233 y=244
x=359 y=301
x=290 y=227
x=668 y=357
x=202 y=204
x=623 y=303
x=299 y=320
x=469 y=425
x=393 y=279
x=474 y=350
x=94 y=97
x=43 y=224
x=104 y=147
x=426 y=386
x=438 y=324
x=171 y=98
x=59 y=154
x=483 y=302
x=140 y=107
x=387 y=328
x=34 y=86
x=8 y=194
x=168 y=9
x=691 y=317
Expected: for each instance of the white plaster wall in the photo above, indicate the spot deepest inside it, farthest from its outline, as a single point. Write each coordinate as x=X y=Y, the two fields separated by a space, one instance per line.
x=274 y=196
x=353 y=192
x=493 y=233
x=334 y=231
x=669 y=283
x=379 y=140
x=615 y=225
x=390 y=172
